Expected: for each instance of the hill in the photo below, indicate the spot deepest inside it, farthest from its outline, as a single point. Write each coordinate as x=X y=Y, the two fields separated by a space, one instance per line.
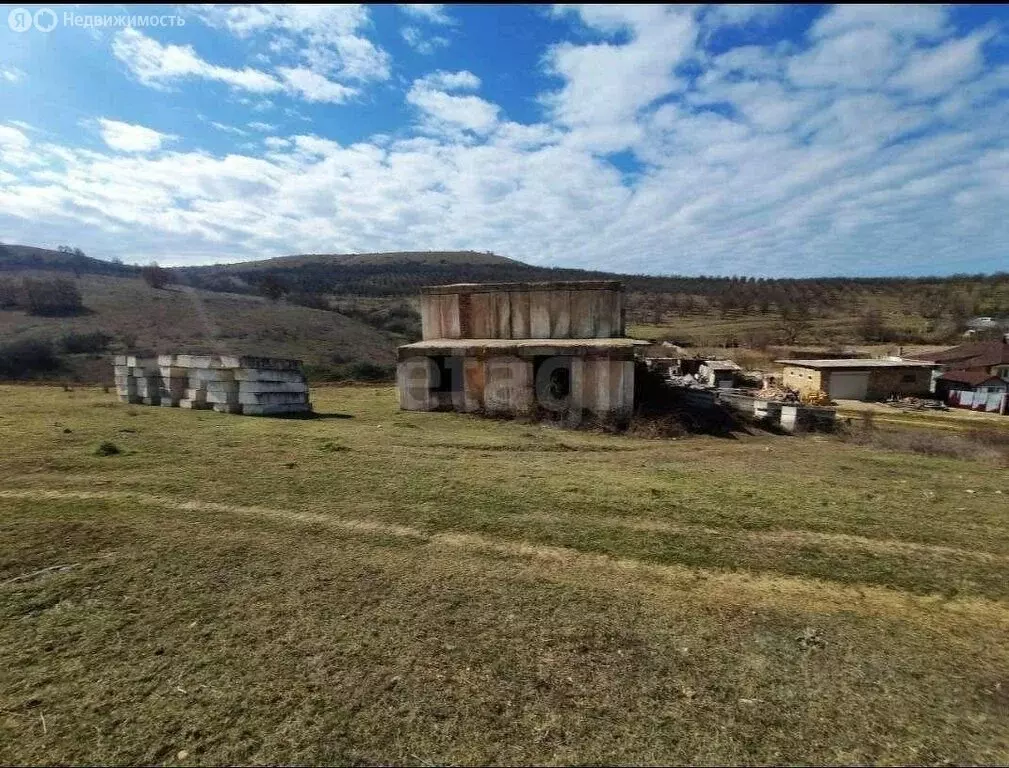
x=372 y=274
x=392 y=258
x=378 y=288
x=131 y=315
x=20 y=257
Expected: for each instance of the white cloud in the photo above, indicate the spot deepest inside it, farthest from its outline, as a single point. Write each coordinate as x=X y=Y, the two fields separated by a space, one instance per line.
x=157 y=65
x=12 y=138
x=312 y=86
x=808 y=155
x=229 y=129
x=421 y=42
x=276 y=142
x=935 y=71
x=857 y=58
x=450 y=81
x=330 y=37
x=431 y=12
x=128 y=137
x=914 y=20
x=607 y=84
x=11 y=74
x=446 y=112
x=741 y=14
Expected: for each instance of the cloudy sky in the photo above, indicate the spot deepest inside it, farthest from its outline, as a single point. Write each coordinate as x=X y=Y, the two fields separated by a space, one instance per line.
x=751 y=140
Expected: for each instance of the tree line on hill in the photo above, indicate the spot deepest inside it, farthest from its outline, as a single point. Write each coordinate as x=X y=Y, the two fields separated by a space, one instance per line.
x=788 y=308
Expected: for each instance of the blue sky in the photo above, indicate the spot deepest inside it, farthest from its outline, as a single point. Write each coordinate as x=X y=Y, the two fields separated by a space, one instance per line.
x=735 y=139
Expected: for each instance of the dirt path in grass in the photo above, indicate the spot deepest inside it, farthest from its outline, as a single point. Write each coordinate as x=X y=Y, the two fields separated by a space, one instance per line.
x=729 y=587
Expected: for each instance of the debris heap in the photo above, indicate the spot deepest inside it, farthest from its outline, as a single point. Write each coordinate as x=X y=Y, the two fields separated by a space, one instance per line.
x=256 y=386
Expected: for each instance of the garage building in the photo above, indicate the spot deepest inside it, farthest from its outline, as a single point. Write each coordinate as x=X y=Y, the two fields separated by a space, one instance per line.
x=864 y=379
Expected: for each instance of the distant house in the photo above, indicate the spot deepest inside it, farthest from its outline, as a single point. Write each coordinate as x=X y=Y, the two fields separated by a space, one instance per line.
x=859 y=379
x=990 y=357
x=714 y=373
x=719 y=373
x=977 y=390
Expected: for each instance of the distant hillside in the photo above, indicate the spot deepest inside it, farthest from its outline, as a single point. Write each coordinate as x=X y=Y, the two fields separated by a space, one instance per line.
x=18 y=257
x=722 y=311
x=393 y=258
x=398 y=274
x=135 y=316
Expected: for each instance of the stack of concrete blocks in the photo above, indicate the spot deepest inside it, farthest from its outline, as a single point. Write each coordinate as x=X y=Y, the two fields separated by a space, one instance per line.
x=137 y=380
x=210 y=384
x=259 y=386
x=269 y=386
x=174 y=381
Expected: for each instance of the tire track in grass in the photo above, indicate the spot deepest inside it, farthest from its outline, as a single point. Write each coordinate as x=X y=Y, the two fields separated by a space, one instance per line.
x=730 y=587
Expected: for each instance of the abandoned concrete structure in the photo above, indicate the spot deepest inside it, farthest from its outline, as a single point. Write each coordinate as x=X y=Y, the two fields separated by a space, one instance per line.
x=521 y=349
x=260 y=386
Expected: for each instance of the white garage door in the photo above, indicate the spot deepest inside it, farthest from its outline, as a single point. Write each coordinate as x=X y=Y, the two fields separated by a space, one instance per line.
x=848 y=385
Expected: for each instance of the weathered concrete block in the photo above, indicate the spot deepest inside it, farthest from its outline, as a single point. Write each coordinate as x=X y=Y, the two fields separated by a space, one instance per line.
x=539 y=314
x=203 y=375
x=255 y=374
x=223 y=398
x=415 y=379
x=257 y=387
x=263 y=363
x=220 y=386
x=196 y=361
x=508 y=387
x=273 y=398
x=275 y=410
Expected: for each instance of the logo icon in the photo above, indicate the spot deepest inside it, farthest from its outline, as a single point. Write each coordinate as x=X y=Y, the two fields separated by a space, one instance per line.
x=45 y=20
x=20 y=19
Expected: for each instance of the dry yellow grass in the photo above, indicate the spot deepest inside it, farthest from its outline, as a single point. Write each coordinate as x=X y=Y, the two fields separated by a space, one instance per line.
x=374 y=586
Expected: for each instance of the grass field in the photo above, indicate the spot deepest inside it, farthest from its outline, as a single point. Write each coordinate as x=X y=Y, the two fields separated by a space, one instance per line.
x=372 y=586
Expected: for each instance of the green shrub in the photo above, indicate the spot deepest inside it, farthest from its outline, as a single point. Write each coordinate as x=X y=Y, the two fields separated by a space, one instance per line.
x=362 y=370
x=107 y=449
x=10 y=294
x=355 y=370
x=27 y=358
x=82 y=343
x=310 y=300
x=52 y=298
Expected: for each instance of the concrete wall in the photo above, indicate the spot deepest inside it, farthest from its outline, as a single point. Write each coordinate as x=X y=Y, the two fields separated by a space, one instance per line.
x=507 y=385
x=562 y=310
